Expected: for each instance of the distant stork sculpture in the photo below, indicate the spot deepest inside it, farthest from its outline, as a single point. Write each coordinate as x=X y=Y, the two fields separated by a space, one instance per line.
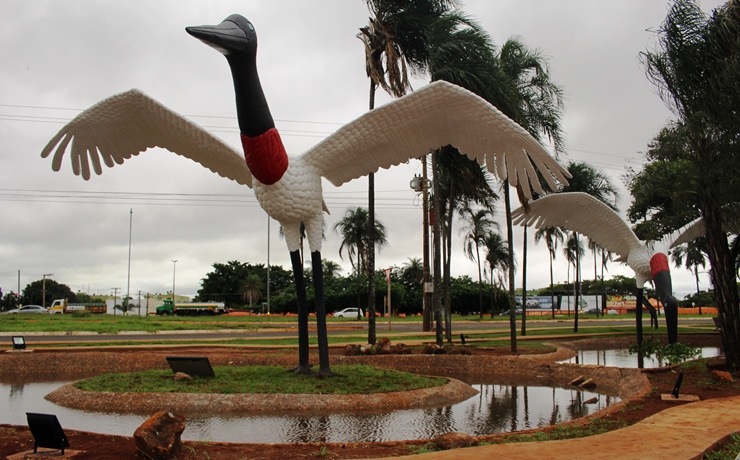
x=289 y=189
x=582 y=213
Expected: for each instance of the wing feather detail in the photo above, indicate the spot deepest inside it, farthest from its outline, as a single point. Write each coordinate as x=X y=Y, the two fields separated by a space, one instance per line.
x=434 y=116
x=126 y=124
x=582 y=213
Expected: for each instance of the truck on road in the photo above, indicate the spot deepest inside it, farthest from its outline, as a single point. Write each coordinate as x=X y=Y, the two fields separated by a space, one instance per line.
x=191 y=308
x=63 y=306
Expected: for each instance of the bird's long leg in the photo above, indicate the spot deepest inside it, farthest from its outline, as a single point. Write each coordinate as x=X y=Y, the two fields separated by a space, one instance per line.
x=318 y=286
x=300 y=286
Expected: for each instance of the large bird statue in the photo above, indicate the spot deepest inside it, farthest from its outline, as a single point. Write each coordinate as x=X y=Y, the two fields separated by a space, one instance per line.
x=289 y=189
x=582 y=213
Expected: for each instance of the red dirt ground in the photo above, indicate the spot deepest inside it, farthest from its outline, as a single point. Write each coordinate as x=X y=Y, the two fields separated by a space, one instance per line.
x=14 y=439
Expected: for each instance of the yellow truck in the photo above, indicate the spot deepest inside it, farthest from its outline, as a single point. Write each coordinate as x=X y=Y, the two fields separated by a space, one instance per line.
x=62 y=306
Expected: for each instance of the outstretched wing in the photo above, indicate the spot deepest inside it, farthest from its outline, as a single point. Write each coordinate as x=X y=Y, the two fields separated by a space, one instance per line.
x=582 y=213
x=429 y=118
x=129 y=123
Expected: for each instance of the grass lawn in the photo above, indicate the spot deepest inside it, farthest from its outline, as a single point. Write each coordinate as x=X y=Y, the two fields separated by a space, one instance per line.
x=353 y=379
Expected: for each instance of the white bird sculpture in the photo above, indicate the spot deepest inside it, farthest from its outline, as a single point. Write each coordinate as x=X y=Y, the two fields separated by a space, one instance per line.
x=582 y=213
x=289 y=189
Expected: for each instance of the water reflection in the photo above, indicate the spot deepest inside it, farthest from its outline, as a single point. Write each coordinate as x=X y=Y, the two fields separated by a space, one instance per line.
x=496 y=409
x=623 y=358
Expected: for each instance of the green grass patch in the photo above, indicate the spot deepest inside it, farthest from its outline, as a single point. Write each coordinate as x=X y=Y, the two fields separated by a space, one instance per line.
x=353 y=379
x=727 y=450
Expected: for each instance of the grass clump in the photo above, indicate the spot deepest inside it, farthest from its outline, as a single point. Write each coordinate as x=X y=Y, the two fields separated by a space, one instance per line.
x=353 y=379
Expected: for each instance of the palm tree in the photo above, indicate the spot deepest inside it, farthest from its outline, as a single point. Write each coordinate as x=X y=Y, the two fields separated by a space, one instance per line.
x=585 y=178
x=331 y=269
x=552 y=236
x=251 y=289
x=478 y=224
x=497 y=258
x=356 y=241
x=694 y=253
x=538 y=106
x=394 y=40
x=573 y=252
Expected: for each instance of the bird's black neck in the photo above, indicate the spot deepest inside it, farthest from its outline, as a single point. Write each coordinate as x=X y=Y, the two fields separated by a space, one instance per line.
x=252 y=110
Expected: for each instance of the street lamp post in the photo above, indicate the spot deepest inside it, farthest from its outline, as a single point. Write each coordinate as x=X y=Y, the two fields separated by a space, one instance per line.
x=43 y=289
x=174 y=267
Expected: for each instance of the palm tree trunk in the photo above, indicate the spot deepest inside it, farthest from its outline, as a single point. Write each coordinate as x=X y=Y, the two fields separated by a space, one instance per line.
x=480 y=281
x=510 y=236
x=524 y=283
x=436 y=249
x=577 y=279
x=371 y=337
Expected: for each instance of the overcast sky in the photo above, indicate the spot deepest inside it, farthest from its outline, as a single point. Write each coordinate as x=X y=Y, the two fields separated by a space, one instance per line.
x=58 y=58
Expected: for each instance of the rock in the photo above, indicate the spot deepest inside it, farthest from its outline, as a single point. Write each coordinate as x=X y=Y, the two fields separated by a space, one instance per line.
x=182 y=376
x=430 y=349
x=401 y=349
x=383 y=347
x=721 y=376
x=593 y=400
x=367 y=349
x=454 y=440
x=158 y=438
x=352 y=350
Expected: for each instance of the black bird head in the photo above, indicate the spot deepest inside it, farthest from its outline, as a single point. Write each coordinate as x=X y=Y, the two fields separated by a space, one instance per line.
x=235 y=35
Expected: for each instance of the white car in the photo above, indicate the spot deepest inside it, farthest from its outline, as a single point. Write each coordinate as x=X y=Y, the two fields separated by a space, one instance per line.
x=348 y=313
x=29 y=309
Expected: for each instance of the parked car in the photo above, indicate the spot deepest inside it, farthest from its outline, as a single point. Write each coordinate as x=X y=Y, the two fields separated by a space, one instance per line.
x=348 y=313
x=29 y=309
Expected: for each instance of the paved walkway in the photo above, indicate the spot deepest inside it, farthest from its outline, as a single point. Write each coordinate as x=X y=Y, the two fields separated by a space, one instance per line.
x=679 y=433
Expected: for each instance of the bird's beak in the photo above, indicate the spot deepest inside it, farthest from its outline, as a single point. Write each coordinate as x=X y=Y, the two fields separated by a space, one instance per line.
x=227 y=37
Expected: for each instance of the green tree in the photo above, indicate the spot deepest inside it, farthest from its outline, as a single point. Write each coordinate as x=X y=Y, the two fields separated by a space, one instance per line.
x=33 y=292
x=695 y=67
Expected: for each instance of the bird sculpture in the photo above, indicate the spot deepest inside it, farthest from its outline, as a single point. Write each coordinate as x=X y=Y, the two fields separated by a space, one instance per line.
x=289 y=189
x=582 y=213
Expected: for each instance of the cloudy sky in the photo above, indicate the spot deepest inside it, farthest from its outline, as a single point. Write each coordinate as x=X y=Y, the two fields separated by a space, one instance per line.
x=58 y=58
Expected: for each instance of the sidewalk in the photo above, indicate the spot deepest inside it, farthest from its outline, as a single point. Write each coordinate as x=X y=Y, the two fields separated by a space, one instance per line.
x=679 y=433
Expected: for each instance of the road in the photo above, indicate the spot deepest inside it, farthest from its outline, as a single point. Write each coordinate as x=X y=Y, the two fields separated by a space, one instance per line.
x=344 y=328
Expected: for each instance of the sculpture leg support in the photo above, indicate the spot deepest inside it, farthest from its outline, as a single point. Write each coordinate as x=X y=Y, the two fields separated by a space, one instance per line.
x=318 y=286
x=638 y=315
x=300 y=286
x=664 y=289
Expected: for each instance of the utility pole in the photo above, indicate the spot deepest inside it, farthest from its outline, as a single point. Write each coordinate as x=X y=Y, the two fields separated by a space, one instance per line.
x=115 y=297
x=43 y=288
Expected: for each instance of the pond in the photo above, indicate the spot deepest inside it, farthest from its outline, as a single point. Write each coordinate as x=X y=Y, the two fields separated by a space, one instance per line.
x=496 y=409
x=623 y=358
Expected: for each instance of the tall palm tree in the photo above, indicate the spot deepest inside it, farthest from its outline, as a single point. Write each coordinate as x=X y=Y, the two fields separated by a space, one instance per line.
x=497 y=259
x=585 y=178
x=251 y=289
x=395 y=40
x=573 y=252
x=356 y=241
x=693 y=251
x=538 y=106
x=552 y=236
x=478 y=224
